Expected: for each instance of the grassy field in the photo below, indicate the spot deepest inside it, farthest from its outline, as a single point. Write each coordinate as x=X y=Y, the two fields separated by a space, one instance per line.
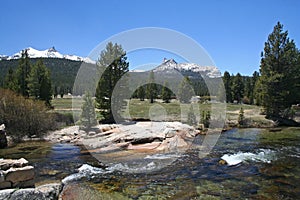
x=173 y=111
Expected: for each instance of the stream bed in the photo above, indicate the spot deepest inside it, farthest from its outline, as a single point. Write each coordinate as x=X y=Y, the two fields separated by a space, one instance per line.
x=260 y=165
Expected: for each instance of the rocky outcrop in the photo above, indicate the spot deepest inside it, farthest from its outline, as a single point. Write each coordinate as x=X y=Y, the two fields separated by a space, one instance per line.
x=146 y=135
x=49 y=192
x=3 y=138
x=16 y=174
x=158 y=136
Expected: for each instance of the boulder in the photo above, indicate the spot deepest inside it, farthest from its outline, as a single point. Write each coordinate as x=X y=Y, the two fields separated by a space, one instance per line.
x=49 y=192
x=8 y=163
x=21 y=174
x=5 y=184
x=16 y=173
x=148 y=135
x=24 y=184
x=6 y=194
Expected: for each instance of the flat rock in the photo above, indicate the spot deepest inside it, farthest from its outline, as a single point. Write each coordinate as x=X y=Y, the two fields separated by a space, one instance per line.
x=8 y=163
x=21 y=174
x=143 y=136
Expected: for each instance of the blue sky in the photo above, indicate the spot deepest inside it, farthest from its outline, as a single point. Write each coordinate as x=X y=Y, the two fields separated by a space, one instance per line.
x=233 y=32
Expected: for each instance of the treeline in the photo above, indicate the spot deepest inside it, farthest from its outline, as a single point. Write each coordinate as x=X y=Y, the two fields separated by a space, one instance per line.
x=277 y=87
x=30 y=80
x=25 y=100
x=184 y=91
x=240 y=89
x=63 y=72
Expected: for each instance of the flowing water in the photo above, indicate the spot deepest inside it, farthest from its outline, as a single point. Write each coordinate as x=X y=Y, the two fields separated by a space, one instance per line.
x=260 y=165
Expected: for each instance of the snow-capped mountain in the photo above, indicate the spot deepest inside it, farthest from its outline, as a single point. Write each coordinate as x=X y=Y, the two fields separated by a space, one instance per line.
x=48 y=53
x=171 y=64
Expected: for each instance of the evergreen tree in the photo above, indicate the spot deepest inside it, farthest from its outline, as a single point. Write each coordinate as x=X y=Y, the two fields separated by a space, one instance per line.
x=10 y=81
x=258 y=93
x=151 y=90
x=248 y=91
x=227 y=86
x=141 y=94
x=238 y=87
x=185 y=90
x=22 y=74
x=88 y=114
x=61 y=91
x=255 y=77
x=280 y=77
x=113 y=59
x=39 y=82
x=166 y=93
x=55 y=92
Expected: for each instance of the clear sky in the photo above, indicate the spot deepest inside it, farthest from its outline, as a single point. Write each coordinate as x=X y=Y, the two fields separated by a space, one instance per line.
x=233 y=32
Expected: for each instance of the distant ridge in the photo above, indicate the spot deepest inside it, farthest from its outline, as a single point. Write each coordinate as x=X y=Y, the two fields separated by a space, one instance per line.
x=171 y=64
x=48 y=53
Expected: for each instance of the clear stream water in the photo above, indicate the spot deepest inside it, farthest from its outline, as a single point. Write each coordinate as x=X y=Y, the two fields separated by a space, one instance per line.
x=261 y=165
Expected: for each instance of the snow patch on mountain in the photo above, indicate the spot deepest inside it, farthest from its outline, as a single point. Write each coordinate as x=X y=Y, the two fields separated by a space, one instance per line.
x=48 y=53
x=171 y=64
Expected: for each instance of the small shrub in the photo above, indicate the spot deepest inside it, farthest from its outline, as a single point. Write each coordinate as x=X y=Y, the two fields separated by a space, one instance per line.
x=205 y=118
x=246 y=100
x=66 y=118
x=24 y=117
x=88 y=114
x=241 y=118
x=191 y=118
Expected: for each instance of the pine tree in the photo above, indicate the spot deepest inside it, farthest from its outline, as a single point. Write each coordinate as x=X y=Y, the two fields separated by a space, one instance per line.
x=55 y=92
x=39 y=82
x=227 y=86
x=141 y=94
x=238 y=87
x=166 y=93
x=10 y=81
x=185 y=90
x=22 y=74
x=248 y=91
x=88 y=114
x=151 y=90
x=61 y=91
x=255 y=77
x=280 y=73
x=113 y=59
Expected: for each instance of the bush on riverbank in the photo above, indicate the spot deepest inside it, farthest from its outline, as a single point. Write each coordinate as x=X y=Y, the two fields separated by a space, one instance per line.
x=24 y=117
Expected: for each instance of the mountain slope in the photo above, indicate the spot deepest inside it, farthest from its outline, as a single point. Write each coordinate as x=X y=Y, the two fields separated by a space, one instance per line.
x=171 y=64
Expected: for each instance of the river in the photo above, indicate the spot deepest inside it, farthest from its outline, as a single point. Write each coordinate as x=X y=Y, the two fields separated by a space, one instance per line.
x=261 y=165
